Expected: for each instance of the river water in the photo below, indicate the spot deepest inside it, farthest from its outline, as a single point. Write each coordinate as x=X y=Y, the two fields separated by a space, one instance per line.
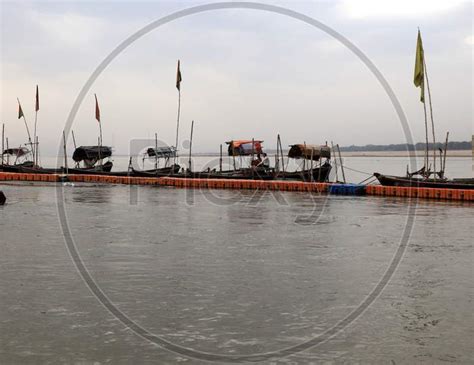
x=233 y=273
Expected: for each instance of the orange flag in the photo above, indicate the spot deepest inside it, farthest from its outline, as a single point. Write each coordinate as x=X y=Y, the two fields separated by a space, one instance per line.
x=178 y=78
x=97 y=110
x=20 y=110
x=37 y=106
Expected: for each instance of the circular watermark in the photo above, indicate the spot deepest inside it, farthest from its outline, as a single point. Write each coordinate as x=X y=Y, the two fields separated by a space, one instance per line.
x=188 y=352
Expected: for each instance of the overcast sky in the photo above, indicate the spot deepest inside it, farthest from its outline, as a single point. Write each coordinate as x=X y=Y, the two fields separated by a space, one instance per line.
x=246 y=73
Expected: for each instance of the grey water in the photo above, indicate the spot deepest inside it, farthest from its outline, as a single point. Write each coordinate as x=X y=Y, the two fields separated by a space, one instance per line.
x=233 y=273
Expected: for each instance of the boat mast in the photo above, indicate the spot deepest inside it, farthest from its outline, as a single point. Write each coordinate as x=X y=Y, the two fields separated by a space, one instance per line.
x=156 y=153
x=3 y=141
x=431 y=117
x=8 y=156
x=35 y=153
x=97 y=116
x=220 y=159
x=178 y=86
x=342 y=165
x=281 y=151
x=335 y=158
x=443 y=163
x=191 y=144
x=419 y=81
x=75 y=146
x=65 y=153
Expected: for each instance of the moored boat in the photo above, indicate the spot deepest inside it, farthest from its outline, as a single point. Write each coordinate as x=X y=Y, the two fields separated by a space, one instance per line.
x=425 y=177
x=388 y=180
x=313 y=168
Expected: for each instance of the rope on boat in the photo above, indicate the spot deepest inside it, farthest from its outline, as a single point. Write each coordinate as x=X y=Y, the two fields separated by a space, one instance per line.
x=359 y=171
x=369 y=182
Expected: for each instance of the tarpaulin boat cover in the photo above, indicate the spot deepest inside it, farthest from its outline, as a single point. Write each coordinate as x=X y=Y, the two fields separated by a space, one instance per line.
x=305 y=151
x=16 y=151
x=244 y=147
x=91 y=153
x=166 y=151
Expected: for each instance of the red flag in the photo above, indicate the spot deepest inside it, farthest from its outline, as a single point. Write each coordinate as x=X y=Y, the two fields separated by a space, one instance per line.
x=20 y=111
x=178 y=78
x=37 y=106
x=97 y=110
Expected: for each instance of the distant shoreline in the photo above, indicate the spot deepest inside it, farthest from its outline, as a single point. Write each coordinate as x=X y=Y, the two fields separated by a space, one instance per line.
x=455 y=153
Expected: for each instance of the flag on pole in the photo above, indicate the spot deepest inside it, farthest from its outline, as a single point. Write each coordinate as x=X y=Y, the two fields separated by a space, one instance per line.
x=20 y=110
x=419 y=77
x=37 y=105
x=97 y=110
x=178 y=77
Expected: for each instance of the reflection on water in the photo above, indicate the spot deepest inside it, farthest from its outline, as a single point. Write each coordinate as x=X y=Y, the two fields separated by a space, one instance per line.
x=89 y=194
x=232 y=272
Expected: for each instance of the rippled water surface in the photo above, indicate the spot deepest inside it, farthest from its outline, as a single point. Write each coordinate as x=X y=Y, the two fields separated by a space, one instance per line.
x=232 y=273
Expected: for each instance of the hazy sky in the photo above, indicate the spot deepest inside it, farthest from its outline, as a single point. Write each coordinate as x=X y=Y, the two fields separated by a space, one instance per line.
x=246 y=73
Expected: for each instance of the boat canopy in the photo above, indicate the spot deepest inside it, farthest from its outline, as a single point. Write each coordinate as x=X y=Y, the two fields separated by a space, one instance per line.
x=91 y=153
x=19 y=152
x=162 y=152
x=306 y=151
x=244 y=147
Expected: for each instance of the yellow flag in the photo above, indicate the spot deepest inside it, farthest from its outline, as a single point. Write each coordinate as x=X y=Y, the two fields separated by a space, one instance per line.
x=419 y=78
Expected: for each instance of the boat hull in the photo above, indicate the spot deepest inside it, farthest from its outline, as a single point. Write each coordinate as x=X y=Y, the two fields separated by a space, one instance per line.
x=319 y=174
x=103 y=169
x=388 y=180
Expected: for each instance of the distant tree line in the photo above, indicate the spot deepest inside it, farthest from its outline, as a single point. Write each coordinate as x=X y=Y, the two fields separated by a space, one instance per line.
x=405 y=146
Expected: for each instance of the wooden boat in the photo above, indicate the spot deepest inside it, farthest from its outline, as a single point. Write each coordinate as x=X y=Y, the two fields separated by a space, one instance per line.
x=20 y=159
x=311 y=154
x=92 y=159
x=258 y=161
x=388 y=180
x=165 y=153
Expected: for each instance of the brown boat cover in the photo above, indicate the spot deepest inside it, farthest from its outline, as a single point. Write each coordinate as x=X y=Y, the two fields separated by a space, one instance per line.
x=244 y=147
x=91 y=153
x=305 y=151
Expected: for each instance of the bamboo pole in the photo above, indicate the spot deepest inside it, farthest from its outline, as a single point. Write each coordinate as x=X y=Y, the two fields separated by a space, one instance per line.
x=304 y=158
x=3 y=142
x=277 y=158
x=8 y=156
x=74 y=140
x=220 y=159
x=342 y=165
x=233 y=153
x=156 y=153
x=282 y=157
x=75 y=146
x=191 y=145
x=335 y=159
x=65 y=153
x=100 y=150
x=37 y=152
x=177 y=125
x=319 y=172
x=445 y=152
x=251 y=166
x=35 y=139
x=431 y=116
